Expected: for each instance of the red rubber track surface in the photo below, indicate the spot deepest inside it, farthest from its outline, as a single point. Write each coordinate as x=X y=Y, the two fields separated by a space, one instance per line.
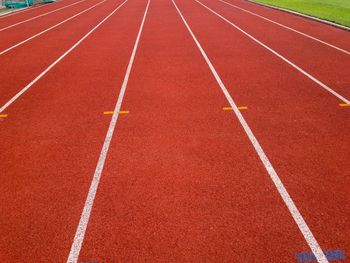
x=299 y=125
x=14 y=35
x=181 y=181
x=51 y=143
x=325 y=63
x=177 y=199
x=178 y=166
x=20 y=69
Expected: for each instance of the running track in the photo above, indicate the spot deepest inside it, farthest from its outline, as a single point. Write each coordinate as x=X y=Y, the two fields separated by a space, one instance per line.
x=225 y=136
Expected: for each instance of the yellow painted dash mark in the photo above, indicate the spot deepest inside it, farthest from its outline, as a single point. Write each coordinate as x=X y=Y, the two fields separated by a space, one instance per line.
x=240 y=108
x=3 y=115
x=227 y=108
x=344 y=105
x=243 y=108
x=112 y=112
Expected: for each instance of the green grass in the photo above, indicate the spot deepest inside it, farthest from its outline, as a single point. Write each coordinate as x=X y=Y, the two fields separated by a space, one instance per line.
x=337 y=11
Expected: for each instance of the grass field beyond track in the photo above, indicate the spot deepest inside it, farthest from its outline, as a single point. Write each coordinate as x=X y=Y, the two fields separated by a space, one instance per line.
x=337 y=11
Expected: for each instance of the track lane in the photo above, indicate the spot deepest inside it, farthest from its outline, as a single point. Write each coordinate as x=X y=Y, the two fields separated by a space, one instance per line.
x=327 y=65
x=85 y=215
x=10 y=38
x=57 y=41
x=333 y=35
x=51 y=142
x=181 y=181
x=303 y=131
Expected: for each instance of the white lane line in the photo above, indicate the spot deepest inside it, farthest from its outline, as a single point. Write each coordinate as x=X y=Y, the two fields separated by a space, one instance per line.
x=310 y=239
x=321 y=84
x=35 y=17
x=287 y=27
x=14 y=98
x=85 y=216
x=50 y=28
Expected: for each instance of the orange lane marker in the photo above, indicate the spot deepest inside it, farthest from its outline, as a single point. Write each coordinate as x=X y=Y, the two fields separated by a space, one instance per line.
x=344 y=105
x=3 y=115
x=120 y=112
x=240 y=108
x=227 y=108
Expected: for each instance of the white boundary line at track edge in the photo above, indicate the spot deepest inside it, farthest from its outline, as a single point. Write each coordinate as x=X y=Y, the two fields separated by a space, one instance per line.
x=309 y=237
x=85 y=216
x=287 y=27
x=50 y=28
x=38 y=16
x=339 y=26
x=321 y=84
x=14 y=98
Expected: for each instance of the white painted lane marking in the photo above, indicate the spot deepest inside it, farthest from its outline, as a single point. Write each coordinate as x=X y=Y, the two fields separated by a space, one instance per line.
x=310 y=239
x=85 y=216
x=287 y=27
x=14 y=98
x=324 y=86
x=50 y=28
x=35 y=17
